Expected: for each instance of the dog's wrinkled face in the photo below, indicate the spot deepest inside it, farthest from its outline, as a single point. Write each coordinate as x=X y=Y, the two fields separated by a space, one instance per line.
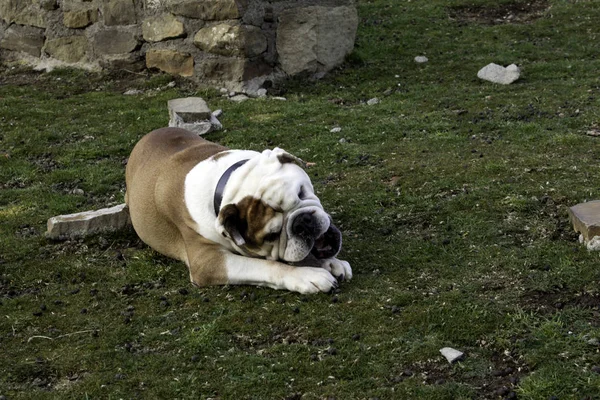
x=274 y=212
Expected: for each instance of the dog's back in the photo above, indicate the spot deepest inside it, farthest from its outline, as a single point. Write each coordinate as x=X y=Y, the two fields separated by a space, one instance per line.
x=155 y=176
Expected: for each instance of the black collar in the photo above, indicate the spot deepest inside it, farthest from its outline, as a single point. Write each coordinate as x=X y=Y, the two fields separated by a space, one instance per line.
x=222 y=183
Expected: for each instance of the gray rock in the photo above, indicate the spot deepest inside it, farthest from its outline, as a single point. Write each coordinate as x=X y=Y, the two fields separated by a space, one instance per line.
x=189 y=109
x=118 y=12
x=88 y=223
x=216 y=124
x=223 y=91
x=115 y=40
x=217 y=113
x=133 y=92
x=315 y=38
x=421 y=59
x=262 y=92
x=23 y=38
x=452 y=355
x=209 y=10
x=373 y=101
x=335 y=129
x=199 y=128
x=498 y=74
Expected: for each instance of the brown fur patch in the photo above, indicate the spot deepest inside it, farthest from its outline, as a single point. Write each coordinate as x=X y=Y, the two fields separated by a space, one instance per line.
x=220 y=155
x=286 y=158
x=248 y=218
x=257 y=214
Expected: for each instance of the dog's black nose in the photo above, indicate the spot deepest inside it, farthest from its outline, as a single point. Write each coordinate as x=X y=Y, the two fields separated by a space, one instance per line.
x=305 y=225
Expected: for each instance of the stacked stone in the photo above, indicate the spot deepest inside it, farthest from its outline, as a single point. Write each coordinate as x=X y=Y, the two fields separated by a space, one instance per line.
x=233 y=43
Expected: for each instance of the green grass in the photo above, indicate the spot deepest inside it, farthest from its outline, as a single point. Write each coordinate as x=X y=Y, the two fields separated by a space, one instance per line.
x=451 y=194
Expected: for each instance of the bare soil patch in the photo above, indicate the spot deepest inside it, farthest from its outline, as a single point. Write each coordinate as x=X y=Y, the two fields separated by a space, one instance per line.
x=517 y=12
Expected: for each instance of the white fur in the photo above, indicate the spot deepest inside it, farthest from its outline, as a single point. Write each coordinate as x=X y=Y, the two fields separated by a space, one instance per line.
x=263 y=176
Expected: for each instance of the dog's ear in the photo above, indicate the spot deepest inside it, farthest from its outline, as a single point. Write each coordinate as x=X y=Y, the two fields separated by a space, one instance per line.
x=284 y=157
x=229 y=218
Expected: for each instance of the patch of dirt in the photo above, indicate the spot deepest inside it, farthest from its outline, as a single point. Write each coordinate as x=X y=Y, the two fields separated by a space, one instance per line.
x=516 y=12
x=45 y=163
x=501 y=381
x=546 y=302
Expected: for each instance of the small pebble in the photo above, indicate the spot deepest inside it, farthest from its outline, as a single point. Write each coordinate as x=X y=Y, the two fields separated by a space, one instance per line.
x=205 y=299
x=336 y=129
x=440 y=381
x=183 y=291
x=596 y=369
x=373 y=101
x=332 y=351
x=407 y=372
x=395 y=309
x=130 y=308
x=280 y=300
x=84 y=311
x=37 y=313
x=335 y=299
x=43 y=307
x=296 y=310
x=356 y=337
x=164 y=303
x=421 y=59
x=195 y=358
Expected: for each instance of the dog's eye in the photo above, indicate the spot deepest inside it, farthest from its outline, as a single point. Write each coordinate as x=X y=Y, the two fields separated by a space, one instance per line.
x=271 y=237
x=301 y=193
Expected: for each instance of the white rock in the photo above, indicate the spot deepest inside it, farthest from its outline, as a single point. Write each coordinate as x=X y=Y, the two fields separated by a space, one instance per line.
x=217 y=113
x=238 y=98
x=498 y=74
x=231 y=94
x=343 y=140
x=451 y=354
x=373 y=101
x=421 y=59
x=216 y=124
x=223 y=90
x=88 y=223
x=279 y=98
x=199 y=128
x=262 y=92
x=336 y=129
x=593 y=244
x=171 y=84
x=78 y=192
x=133 y=92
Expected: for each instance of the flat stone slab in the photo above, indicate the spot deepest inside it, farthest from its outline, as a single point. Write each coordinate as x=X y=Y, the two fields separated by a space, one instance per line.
x=88 y=223
x=585 y=218
x=189 y=109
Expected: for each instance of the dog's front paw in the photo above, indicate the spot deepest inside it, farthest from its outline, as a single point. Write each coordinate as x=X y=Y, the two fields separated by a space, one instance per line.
x=309 y=280
x=338 y=268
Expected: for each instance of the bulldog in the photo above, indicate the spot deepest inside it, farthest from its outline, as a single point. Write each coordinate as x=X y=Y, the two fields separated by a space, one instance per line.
x=233 y=217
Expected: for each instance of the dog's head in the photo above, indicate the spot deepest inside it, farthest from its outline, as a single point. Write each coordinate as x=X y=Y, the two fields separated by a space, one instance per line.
x=271 y=210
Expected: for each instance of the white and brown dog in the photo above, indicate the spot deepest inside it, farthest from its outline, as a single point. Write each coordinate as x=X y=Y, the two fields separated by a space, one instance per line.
x=233 y=216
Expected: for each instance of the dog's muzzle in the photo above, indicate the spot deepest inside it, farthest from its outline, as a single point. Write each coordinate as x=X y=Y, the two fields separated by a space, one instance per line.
x=320 y=238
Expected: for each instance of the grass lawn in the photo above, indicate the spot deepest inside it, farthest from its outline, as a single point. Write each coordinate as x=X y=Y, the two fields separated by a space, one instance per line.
x=451 y=194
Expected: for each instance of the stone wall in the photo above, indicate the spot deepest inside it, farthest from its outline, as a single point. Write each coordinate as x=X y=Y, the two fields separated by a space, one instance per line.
x=233 y=43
